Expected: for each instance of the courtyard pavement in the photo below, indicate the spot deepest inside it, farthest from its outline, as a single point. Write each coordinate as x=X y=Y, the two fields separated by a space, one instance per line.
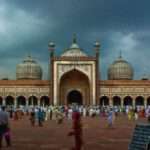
x=96 y=134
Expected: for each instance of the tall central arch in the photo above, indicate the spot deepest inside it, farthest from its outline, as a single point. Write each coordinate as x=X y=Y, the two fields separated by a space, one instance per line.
x=74 y=97
x=74 y=84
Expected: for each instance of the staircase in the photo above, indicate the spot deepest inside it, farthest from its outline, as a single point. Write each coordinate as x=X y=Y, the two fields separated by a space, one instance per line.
x=141 y=137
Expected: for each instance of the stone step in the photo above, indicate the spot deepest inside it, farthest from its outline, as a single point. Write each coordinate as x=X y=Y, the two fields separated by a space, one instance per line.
x=140 y=138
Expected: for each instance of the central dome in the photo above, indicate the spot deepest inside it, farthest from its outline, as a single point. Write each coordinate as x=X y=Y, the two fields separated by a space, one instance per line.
x=120 y=69
x=29 y=69
x=74 y=50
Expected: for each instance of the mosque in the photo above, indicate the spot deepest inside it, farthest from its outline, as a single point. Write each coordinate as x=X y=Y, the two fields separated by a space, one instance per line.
x=74 y=78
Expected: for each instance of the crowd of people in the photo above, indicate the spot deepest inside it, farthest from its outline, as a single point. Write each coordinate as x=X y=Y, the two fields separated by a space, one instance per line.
x=38 y=115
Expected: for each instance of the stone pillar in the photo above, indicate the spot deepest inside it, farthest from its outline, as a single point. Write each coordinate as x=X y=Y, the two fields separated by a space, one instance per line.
x=133 y=102
x=111 y=101
x=4 y=102
x=15 y=102
x=145 y=102
x=122 y=102
x=38 y=101
x=27 y=102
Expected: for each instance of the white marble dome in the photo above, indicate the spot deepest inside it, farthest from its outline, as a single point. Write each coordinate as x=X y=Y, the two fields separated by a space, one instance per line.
x=29 y=69
x=120 y=69
x=74 y=50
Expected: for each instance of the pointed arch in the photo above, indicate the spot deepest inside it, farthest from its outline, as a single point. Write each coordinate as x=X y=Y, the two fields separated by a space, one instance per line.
x=21 y=101
x=9 y=101
x=116 y=101
x=74 y=80
x=74 y=96
x=139 y=101
x=104 y=101
x=1 y=100
x=44 y=101
x=148 y=101
x=74 y=71
x=33 y=101
x=128 y=101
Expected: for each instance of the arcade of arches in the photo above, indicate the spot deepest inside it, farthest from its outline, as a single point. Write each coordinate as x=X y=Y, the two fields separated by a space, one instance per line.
x=23 y=101
x=125 y=101
x=74 y=88
x=75 y=96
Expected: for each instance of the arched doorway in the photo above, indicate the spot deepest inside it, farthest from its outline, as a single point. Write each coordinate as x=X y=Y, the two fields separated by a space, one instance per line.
x=76 y=81
x=44 y=101
x=33 y=101
x=104 y=101
x=9 y=100
x=148 y=101
x=1 y=101
x=74 y=97
x=116 y=101
x=21 y=101
x=128 y=101
x=139 y=101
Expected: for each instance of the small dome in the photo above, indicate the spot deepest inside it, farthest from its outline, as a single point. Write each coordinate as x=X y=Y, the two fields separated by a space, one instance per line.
x=120 y=69
x=29 y=69
x=74 y=50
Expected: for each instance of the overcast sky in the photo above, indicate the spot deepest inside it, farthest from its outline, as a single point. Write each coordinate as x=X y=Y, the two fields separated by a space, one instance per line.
x=26 y=27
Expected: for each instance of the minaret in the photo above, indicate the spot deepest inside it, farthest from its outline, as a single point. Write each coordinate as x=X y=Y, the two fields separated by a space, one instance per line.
x=51 y=48
x=97 y=49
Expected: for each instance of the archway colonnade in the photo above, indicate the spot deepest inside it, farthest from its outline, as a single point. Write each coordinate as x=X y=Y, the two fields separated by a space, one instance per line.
x=103 y=101
x=124 y=101
x=24 y=101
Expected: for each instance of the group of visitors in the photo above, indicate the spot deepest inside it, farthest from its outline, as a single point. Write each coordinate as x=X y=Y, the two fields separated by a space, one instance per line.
x=58 y=113
x=37 y=115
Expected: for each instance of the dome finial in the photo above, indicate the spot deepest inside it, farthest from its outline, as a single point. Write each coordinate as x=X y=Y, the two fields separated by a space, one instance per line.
x=28 y=55
x=120 y=54
x=74 y=40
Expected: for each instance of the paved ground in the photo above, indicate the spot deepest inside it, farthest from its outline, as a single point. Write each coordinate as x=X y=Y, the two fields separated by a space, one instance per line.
x=97 y=136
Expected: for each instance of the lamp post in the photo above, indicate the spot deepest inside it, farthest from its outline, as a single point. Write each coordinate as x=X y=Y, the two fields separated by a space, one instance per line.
x=51 y=48
x=97 y=49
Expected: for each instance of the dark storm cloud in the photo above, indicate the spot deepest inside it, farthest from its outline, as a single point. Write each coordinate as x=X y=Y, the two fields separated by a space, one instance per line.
x=27 y=26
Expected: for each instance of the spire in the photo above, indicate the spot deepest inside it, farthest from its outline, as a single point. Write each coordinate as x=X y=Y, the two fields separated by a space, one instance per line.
x=28 y=55
x=74 y=50
x=74 y=40
x=74 y=44
x=120 y=54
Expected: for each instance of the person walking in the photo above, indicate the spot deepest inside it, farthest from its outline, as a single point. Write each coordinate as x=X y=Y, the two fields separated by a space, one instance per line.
x=111 y=118
x=40 y=117
x=77 y=131
x=4 y=127
x=32 y=117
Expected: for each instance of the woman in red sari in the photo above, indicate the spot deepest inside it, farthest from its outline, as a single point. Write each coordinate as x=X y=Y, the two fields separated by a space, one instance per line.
x=76 y=130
